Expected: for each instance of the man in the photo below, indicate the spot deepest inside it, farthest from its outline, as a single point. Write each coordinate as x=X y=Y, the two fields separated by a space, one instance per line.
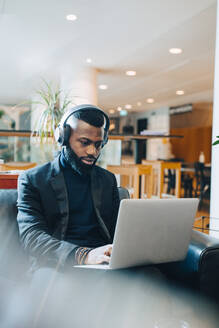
x=67 y=208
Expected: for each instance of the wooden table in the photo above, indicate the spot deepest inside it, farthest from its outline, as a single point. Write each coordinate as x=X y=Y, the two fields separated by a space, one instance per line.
x=8 y=180
x=9 y=173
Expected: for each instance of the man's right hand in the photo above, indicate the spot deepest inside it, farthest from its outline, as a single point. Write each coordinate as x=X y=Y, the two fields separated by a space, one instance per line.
x=99 y=255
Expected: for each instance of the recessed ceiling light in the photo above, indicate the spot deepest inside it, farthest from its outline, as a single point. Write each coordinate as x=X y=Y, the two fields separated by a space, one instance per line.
x=150 y=100
x=88 y=60
x=138 y=103
x=128 y=106
x=71 y=17
x=119 y=109
x=130 y=73
x=180 y=92
x=111 y=111
x=175 y=51
x=103 y=86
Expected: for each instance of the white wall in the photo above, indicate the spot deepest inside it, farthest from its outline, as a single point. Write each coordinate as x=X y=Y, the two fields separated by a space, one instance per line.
x=110 y=154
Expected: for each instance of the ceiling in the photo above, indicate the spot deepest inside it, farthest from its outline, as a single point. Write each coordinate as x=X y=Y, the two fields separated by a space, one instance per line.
x=121 y=35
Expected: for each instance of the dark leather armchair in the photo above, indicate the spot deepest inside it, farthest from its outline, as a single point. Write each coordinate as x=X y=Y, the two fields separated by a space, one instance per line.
x=12 y=260
x=123 y=193
x=199 y=270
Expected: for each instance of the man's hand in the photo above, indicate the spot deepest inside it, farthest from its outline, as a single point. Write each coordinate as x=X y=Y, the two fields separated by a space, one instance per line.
x=99 y=255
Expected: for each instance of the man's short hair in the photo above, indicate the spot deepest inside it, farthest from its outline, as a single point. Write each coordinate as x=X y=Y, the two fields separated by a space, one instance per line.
x=92 y=117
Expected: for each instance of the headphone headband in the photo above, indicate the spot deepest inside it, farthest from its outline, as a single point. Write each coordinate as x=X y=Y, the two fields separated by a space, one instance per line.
x=63 y=131
x=83 y=108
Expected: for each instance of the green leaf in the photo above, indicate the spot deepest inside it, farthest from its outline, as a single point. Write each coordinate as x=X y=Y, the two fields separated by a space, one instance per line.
x=52 y=111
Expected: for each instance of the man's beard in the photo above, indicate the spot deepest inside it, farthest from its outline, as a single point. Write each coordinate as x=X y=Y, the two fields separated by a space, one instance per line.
x=76 y=163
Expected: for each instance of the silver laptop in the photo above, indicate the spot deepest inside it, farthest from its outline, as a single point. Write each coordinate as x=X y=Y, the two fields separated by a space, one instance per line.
x=150 y=232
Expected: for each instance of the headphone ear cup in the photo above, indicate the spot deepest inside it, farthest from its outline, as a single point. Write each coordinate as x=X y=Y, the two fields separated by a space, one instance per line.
x=59 y=135
x=105 y=140
x=66 y=134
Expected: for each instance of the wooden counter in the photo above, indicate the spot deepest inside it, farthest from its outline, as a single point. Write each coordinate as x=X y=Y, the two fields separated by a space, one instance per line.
x=8 y=180
x=28 y=134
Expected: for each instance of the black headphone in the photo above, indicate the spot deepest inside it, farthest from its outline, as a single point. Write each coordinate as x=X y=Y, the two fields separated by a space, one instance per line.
x=63 y=130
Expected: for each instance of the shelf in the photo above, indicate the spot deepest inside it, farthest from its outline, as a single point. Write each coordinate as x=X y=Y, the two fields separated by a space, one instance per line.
x=28 y=134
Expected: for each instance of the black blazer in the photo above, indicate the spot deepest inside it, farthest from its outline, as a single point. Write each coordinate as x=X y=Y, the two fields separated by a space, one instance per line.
x=43 y=211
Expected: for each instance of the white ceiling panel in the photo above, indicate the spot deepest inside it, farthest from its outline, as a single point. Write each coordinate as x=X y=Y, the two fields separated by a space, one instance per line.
x=36 y=39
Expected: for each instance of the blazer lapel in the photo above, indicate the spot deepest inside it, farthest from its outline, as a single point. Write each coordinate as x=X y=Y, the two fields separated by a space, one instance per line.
x=97 y=190
x=58 y=185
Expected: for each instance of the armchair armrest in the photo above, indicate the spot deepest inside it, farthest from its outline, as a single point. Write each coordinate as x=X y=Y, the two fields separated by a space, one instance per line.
x=123 y=193
x=200 y=268
x=203 y=256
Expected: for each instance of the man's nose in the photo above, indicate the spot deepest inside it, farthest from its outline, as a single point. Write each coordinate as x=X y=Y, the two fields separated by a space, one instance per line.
x=91 y=149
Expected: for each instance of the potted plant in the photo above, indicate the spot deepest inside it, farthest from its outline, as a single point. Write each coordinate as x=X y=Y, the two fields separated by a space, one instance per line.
x=216 y=142
x=46 y=114
x=1 y=113
x=51 y=111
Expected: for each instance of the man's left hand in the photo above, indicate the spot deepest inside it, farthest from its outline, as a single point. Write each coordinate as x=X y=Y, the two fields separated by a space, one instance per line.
x=99 y=255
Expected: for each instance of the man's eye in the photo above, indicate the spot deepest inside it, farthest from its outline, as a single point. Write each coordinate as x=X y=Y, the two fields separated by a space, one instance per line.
x=98 y=144
x=85 y=143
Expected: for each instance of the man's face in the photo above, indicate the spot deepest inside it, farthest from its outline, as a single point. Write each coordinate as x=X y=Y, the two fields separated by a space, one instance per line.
x=86 y=142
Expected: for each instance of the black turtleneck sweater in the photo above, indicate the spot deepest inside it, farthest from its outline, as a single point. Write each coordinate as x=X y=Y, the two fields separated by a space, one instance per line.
x=83 y=229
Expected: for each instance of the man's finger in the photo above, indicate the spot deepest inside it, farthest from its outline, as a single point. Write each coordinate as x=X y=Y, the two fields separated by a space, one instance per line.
x=108 y=251
x=103 y=258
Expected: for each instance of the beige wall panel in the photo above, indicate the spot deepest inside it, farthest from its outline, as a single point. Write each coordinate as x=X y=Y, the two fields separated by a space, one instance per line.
x=193 y=142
